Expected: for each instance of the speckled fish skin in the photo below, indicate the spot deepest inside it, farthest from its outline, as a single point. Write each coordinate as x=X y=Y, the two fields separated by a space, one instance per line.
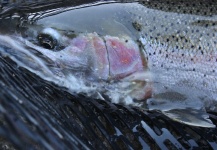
x=180 y=41
x=193 y=7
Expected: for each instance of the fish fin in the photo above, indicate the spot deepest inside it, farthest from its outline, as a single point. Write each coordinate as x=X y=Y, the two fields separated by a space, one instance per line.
x=190 y=117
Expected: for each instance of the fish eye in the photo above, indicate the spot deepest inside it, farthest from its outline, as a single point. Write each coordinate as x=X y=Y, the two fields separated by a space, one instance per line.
x=50 y=38
x=47 y=41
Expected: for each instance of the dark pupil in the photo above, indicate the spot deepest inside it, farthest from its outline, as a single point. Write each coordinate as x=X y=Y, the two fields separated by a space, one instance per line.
x=46 y=41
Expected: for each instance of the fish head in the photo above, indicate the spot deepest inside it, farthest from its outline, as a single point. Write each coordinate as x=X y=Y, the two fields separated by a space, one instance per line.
x=99 y=58
x=107 y=56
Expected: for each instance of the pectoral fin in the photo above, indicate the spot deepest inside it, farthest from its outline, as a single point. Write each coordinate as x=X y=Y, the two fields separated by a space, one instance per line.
x=191 y=117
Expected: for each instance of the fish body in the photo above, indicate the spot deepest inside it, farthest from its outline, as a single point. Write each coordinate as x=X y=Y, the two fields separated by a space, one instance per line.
x=180 y=44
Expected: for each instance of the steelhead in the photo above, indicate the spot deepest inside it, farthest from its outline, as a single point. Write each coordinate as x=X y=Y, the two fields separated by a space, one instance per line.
x=173 y=61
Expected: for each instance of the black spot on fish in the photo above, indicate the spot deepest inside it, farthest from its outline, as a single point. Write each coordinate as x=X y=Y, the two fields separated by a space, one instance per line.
x=137 y=26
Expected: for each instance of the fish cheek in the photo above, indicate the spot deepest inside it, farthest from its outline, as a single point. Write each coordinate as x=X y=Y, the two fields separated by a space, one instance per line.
x=128 y=63
x=124 y=58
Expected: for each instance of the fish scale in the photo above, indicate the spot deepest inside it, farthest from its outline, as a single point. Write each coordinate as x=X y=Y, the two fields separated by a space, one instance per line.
x=194 y=65
x=198 y=7
x=178 y=27
x=181 y=48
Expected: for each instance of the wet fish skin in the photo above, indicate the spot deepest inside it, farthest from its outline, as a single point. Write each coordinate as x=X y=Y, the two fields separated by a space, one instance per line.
x=193 y=7
x=181 y=48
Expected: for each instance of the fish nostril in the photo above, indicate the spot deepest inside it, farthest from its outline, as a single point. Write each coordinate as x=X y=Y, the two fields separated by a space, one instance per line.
x=47 y=41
